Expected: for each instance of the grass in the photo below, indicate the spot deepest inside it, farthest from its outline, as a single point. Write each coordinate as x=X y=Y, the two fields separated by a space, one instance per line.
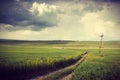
x=99 y=68
x=21 y=60
x=18 y=54
x=24 y=61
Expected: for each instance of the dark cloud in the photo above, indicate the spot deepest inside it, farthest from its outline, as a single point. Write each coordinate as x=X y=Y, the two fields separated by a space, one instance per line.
x=107 y=0
x=112 y=10
x=87 y=7
x=17 y=13
x=12 y=12
x=74 y=0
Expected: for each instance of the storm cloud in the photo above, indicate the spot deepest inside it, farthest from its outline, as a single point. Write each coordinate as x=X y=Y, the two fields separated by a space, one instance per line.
x=24 y=14
x=36 y=15
x=59 y=19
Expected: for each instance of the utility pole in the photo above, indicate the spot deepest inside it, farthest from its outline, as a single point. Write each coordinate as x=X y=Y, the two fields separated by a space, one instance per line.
x=101 y=44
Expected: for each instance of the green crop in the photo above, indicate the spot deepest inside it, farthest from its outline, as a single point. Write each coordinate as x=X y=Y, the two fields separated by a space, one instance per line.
x=97 y=67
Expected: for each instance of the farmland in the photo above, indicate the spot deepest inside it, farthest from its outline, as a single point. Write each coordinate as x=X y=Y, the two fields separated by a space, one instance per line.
x=27 y=59
x=30 y=60
x=98 y=67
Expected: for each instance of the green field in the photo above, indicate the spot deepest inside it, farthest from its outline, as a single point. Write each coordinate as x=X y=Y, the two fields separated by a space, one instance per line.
x=60 y=43
x=12 y=55
x=97 y=67
x=32 y=58
x=28 y=59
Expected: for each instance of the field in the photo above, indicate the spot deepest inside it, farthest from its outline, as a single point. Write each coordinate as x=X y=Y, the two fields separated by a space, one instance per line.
x=26 y=59
x=97 y=67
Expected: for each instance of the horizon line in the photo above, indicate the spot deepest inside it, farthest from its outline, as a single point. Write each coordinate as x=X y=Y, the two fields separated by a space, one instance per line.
x=55 y=40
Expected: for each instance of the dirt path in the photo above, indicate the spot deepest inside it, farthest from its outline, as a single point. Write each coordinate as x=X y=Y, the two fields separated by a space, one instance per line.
x=69 y=76
x=62 y=74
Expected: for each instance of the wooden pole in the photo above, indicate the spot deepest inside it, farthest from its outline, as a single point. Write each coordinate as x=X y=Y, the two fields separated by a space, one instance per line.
x=101 y=44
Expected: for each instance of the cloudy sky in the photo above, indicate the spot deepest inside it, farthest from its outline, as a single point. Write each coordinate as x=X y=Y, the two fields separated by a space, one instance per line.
x=59 y=19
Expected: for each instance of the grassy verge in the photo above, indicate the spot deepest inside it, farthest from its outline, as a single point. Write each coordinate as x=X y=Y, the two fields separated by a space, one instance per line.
x=99 y=68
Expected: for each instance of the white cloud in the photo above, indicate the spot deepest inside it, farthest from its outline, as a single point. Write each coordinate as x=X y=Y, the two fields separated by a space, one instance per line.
x=43 y=8
x=44 y=14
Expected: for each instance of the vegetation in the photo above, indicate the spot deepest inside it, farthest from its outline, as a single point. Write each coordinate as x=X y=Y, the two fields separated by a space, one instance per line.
x=60 y=43
x=21 y=60
x=98 y=67
x=28 y=61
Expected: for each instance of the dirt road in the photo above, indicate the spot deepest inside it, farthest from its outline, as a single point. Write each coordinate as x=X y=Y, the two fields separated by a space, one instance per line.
x=62 y=74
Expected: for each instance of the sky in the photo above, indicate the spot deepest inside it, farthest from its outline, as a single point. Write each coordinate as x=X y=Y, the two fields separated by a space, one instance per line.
x=82 y=20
